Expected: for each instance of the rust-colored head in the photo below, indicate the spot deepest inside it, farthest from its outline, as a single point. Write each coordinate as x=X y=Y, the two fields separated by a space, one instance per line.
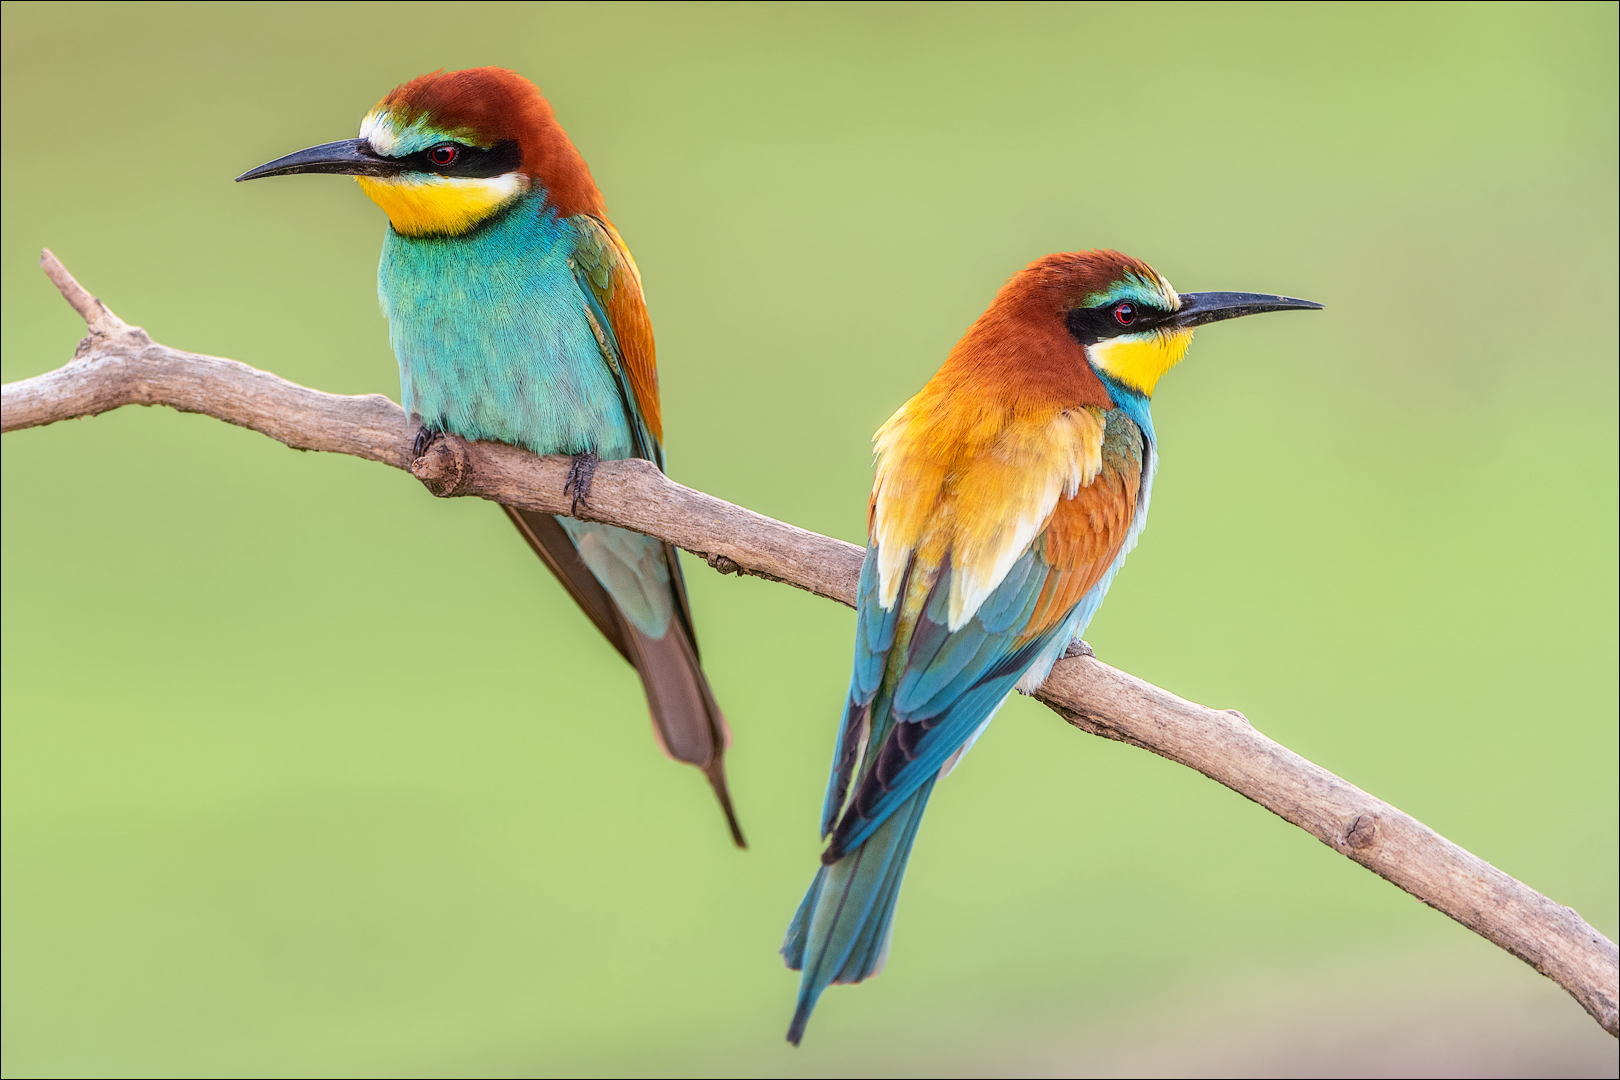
x=1080 y=328
x=1023 y=344
x=445 y=152
x=485 y=108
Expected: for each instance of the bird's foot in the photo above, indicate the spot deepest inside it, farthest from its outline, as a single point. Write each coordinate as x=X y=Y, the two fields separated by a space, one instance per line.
x=579 y=479
x=1077 y=648
x=425 y=437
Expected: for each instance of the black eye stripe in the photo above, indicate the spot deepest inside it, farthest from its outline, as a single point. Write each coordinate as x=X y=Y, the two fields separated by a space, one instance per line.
x=468 y=161
x=1093 y=324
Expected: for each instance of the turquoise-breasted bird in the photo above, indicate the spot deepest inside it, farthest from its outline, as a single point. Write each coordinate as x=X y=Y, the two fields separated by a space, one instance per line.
x=516 y=314
x=1008 y=493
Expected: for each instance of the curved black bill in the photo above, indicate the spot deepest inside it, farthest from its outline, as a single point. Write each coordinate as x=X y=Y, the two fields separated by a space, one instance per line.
x=351 y=157
x=1206 y=307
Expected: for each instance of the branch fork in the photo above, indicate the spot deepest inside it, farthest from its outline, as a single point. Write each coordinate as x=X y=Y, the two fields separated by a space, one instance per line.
x=118 y=364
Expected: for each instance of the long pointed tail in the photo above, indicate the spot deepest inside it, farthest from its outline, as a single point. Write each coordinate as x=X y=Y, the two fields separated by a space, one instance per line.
x=841 y=931
x=687 y=720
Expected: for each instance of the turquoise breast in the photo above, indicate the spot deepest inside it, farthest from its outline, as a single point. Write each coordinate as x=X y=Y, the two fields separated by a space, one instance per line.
x=492 y=338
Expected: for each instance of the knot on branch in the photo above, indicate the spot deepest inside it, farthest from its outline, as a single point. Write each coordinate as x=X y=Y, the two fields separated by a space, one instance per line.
x=723 y=564
x=111 y=330
x=1363 y=832
x=443 y=467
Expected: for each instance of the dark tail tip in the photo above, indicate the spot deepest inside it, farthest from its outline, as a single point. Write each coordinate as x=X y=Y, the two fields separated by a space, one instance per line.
x=717 y=780
x=801 y=1019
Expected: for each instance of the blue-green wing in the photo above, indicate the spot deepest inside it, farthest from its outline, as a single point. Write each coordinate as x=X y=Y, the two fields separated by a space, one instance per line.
x=611 y=285
x=949 y=685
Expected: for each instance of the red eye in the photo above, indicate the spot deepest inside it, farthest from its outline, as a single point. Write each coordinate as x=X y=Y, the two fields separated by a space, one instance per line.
x=1124 y=314
x=443 y=155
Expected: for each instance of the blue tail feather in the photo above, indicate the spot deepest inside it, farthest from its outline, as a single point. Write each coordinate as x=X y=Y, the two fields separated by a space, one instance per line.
x=872 y=947
x=793 y=944
x=841 y=930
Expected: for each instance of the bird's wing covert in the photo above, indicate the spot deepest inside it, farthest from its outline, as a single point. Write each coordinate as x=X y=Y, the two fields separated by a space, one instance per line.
x=612 y=286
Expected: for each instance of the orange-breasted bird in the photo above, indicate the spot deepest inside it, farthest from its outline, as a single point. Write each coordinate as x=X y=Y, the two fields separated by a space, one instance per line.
x=516 y=314
x=1008 y=493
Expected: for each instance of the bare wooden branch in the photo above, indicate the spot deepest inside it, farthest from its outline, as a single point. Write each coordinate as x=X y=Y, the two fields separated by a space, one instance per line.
x=1225 y=747
x=118 y=364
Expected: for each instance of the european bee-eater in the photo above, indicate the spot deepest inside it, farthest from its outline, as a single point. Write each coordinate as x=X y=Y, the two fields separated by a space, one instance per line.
x=1008 y=493
x=516 y=314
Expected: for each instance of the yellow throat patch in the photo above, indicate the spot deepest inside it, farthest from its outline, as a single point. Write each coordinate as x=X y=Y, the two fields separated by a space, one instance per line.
x=426 y=205
x=1139 y=360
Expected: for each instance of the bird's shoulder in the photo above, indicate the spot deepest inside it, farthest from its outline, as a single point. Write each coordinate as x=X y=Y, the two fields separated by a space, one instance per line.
x=1086 y=532
x=977 y=479
x=988 y=541
x=611 y=280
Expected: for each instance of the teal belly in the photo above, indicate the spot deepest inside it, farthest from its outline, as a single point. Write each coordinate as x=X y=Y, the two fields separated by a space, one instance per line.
x=493 y=341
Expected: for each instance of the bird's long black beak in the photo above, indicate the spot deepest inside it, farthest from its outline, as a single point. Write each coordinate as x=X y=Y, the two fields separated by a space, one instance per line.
x=351 y=157
x=1206 y=307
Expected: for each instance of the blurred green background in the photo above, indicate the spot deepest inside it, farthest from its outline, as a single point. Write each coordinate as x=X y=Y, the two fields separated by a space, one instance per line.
x=307 y=772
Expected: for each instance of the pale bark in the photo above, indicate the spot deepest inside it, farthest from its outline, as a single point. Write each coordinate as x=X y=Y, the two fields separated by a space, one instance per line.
x=118 y=364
